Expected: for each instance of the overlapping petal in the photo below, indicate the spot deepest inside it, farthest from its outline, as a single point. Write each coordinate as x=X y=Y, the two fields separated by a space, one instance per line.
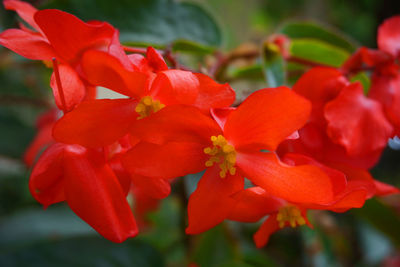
x=319 y=85
x=266 y=118
x=299 y=184
x=357 y=122
x=70 y=36
x=73 y=88
x=211 y=202
x=105 y=70
x=171 y=160
x=96 y=123
x=253 y=204
x=93 y=192
x=46 y=182
x=178 y=123
x=27 y=44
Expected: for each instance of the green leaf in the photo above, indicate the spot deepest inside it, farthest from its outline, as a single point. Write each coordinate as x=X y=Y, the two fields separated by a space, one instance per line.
x=84 y=251
x=214 y=247
x=318 y=52
x=311 y=30
x=156 y=22
x=15 y=135
x=31 y=225
x=363 y=78
x=382 y=217
x=253 y=72
x=273 y=65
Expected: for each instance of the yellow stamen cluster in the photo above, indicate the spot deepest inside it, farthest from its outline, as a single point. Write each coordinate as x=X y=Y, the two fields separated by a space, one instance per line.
x=223 y=153
x=147 y=106
x=290 y=214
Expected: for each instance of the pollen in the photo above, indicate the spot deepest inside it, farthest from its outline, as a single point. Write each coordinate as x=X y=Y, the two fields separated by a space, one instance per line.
x=221 y=153
x=147 y=105
x=290 y=214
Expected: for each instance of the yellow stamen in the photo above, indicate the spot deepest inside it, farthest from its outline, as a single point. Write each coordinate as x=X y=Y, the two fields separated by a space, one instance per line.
x=223 y=153
x=147 y=106
x=290 y=214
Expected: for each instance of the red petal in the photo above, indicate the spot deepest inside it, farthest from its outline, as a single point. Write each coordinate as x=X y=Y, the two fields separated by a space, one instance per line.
x=220 y=115
x=320 y=85
x=175 y=87
x=46 y=181
x=211 y=203
x=383 y=189
x=69 y=36
x=266 y=118
x=24 y=10
x=253 y=204
x=212 y=94
x=93 y=192
x=369 y=57
x=178 y=123
x=155 y=60
x=96 y=123
x=386 y=90
x=166 y=161
x=72 y=86
x=26 y=44
x=338 y=179
x=300 y=184
x=106 y=70
x=269 y=227
x=157 y=188
x=357 y=122
x=389 y=36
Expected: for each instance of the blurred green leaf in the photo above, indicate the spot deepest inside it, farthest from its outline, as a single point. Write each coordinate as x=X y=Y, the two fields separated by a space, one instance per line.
x=191 y=47
x=318 y=52
x=84 y=251
x=254 y=72
x=156 y=22
x=30 y=225
x=273 y=65
x=311 y=30
x=15 y=135
x=363 y=78
x=166 y=224
x=213 y=248
x=382 y=218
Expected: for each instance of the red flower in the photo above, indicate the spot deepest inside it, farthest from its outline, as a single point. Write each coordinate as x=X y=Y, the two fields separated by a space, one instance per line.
x=385 y=81
x=88 y=184
x=332 y=135
x=255 y=203
x=62 y=36
x=148 y=94
x=184 y=140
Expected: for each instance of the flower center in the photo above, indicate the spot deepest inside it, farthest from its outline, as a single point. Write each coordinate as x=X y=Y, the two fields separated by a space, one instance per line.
x=290 y=214
x=223 y=153
x=147 y=106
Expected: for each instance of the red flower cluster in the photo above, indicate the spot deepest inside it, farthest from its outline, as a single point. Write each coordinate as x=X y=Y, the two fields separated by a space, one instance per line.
x=306 y=148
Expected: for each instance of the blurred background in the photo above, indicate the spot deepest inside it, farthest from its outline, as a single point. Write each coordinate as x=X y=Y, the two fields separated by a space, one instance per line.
x=196 y=31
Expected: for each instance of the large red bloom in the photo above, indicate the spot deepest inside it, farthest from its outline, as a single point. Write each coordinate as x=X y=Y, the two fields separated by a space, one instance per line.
x=180 y=139
x=148 y=93
x=62 y=36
